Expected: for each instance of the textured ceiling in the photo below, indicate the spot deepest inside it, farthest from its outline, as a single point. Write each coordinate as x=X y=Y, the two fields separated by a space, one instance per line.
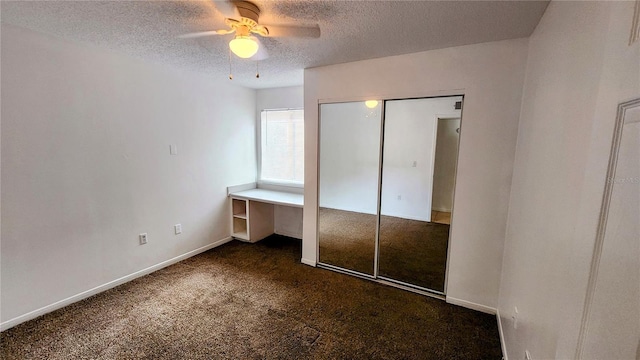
x=351 y=30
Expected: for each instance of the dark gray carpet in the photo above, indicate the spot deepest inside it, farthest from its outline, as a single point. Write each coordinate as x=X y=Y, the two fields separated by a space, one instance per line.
x=254 y=301
x=347 y=239
x=411 y=251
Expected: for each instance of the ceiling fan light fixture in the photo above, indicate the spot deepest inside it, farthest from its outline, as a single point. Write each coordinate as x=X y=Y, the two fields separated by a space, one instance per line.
x=244 y=46
x=371 y=103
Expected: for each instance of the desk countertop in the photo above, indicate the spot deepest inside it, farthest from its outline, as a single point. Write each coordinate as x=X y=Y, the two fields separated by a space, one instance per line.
x=271 y=197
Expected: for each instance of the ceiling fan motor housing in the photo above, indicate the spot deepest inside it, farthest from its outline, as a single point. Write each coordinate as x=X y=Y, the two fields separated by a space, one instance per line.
x=249 y=12
x=248 y=23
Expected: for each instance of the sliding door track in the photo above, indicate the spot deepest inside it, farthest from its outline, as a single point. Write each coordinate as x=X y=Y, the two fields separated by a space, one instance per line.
x=385 y=281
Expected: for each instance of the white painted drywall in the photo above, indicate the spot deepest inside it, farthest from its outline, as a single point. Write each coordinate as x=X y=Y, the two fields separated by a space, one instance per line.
x=86 y=165
x=444 y=169
x=410 y=129
x=614 y=320
x=580 y=67
x=490 y=76
x=349 y=157
x=287 y=220
x=279 y=98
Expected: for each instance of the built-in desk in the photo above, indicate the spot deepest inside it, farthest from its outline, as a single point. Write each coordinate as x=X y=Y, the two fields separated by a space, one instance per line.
x=252 y=211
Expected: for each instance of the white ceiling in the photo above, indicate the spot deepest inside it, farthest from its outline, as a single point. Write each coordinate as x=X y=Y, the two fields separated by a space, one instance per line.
x=351 y=30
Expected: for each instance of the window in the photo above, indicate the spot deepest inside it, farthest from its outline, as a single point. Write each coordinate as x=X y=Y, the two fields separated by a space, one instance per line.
x=282 y=146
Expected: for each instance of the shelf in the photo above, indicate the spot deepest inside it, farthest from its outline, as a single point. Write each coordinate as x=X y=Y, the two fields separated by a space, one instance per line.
x=241 y=235
x=252 y=212
x=239 y=207
x=240 y=228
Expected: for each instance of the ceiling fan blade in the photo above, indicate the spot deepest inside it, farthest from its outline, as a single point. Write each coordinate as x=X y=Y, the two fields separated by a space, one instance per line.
x=262 y=51
x=205 y=33
x=293 y=31
x=227 y=8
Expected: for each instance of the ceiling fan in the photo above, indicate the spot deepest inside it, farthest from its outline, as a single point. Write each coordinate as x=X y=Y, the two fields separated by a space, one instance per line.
x=244 y=44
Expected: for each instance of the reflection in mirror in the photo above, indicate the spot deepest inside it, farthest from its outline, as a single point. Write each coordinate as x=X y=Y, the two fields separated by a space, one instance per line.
x=349 y=148
x=418 y=174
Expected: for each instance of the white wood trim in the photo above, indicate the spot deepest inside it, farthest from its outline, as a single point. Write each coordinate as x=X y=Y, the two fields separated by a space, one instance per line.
x=602 y=222
x=471 y=305
x=271 y=197
x=241 y=187
x=503 y=345
x=635 y=26
x=297 y=189
x=394 y=96
x=98 y=289
x=407 y=217
x=308 y=262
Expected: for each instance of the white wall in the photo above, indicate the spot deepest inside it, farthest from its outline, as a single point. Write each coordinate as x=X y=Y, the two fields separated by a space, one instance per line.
x=579 y=68
x=490 y=75
x=614 y=320
x=279 y=98
x=444 y=170
x=409 y=155
x=86 y=166
x=287 y=220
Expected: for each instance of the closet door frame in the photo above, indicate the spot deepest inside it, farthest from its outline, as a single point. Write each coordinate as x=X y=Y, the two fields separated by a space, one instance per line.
x=602 y=222
x=375 y=277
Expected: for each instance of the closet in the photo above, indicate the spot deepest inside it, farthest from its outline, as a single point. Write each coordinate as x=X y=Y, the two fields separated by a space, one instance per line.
x=386 y=184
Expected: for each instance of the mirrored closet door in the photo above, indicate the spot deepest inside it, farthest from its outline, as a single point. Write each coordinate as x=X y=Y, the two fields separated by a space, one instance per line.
x=386 y=182
x=348 y=185
x=418 y=176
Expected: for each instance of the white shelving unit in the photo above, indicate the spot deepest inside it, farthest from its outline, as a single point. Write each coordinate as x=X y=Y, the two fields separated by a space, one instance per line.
x=252 y=212
x=239 y=219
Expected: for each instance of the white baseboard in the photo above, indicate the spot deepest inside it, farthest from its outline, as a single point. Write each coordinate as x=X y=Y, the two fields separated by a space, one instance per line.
x=502 y=343
x=471 y=305
x=308 y=262
x=98 y=289
x=409 y=217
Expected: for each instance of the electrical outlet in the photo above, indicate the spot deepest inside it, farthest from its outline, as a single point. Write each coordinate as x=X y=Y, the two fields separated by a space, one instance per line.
x=177 y=228
x=527 y=355
x=514 y=317
x=143 y=238
x=399 y=197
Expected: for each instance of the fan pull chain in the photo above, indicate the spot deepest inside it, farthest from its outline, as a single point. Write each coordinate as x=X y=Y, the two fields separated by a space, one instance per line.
x=257 y=71
x=230 y=73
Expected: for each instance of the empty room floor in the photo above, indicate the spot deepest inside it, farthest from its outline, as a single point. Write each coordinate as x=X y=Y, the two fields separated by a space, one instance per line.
x=255 y=301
